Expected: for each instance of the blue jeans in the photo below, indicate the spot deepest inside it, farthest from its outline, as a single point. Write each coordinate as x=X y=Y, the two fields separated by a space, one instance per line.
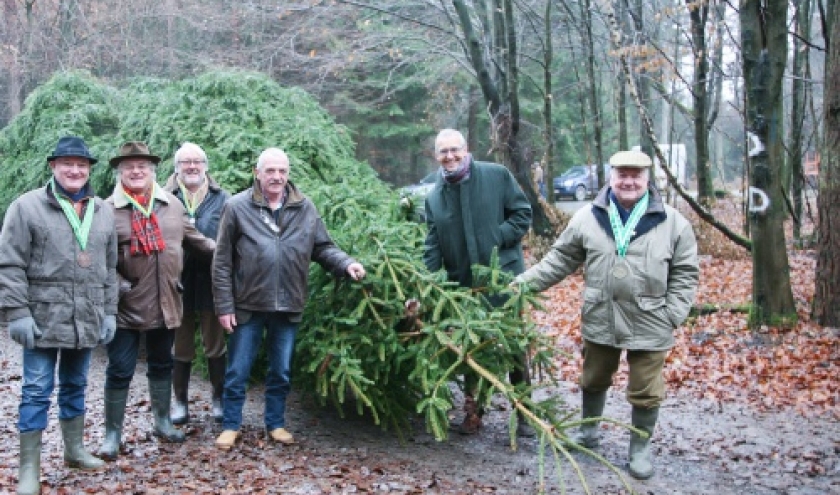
x=122 y=356
x=39 y=381
x=243 y=346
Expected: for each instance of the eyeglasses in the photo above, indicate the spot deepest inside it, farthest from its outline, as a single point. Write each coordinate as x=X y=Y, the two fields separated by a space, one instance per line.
x=191 y=162
x=447 y=151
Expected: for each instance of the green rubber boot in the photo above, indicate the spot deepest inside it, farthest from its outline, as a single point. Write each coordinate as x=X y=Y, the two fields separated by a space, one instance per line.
x=592 y=406
x=160 y=393
x=75 y=455
x=115 y=399
x=641 y=460
x=29 y=473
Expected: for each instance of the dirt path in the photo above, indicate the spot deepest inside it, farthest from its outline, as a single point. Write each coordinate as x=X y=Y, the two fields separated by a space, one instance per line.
x=700 y=448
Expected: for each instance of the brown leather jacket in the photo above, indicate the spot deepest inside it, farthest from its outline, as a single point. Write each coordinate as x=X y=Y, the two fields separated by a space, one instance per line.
x=154 y=298
x=260 y=269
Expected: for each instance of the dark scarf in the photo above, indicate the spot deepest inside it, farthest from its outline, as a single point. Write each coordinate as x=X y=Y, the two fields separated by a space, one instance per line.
x=81 y=194
x=459 y=174
x=624 y=214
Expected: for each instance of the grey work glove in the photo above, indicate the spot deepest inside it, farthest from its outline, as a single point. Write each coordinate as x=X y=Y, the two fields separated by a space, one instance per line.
x=109 y=328
x=24 y=331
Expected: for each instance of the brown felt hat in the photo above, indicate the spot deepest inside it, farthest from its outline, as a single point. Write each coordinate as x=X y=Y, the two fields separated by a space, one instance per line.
x=134 y=149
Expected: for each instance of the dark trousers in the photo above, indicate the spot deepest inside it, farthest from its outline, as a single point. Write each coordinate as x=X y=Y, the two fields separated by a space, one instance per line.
x=123 y=351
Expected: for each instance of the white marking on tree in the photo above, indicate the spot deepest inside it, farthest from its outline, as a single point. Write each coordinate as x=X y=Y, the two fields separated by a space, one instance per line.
x=758 y=201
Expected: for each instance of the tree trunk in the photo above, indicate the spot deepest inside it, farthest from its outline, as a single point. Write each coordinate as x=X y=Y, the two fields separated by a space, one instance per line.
x=548 y=132
x=799 y=95
x=826 y=308
x=621 y=88
x=642 y=83
x=472 y=116
x=594 y=106
x=764 y=53
x=698 y=14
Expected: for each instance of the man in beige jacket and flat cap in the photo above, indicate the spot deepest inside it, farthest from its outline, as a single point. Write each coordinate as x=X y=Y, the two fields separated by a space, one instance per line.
x=641 y=273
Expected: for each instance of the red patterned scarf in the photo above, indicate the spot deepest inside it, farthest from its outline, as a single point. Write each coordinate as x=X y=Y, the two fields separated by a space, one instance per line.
x=146 y=237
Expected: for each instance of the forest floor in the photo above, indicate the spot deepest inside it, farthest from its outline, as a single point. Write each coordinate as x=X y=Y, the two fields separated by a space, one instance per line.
x=748 y=412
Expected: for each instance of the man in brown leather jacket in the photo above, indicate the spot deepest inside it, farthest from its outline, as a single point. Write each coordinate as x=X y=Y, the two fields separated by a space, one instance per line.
x=268 y=236
x=151 y=227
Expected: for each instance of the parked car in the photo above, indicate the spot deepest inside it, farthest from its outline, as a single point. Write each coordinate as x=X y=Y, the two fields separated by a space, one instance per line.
x=413 y=197
x=578 y=183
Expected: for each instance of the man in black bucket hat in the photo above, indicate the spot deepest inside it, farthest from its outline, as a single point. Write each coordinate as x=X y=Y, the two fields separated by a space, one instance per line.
x=58 y=292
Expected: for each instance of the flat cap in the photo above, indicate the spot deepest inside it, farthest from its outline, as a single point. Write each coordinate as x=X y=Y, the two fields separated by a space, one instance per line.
x=630 y=159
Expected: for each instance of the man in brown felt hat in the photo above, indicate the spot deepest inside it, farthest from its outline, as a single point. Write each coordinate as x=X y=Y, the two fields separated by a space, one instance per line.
x=152 y=225
x=641 y=273
x=58 y=292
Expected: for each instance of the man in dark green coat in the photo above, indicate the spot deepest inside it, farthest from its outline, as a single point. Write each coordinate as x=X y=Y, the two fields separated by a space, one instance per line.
x=474 y=208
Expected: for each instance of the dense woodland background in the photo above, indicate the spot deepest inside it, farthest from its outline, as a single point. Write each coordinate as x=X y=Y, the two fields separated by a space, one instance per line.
x=396 y=71
x=356 y=91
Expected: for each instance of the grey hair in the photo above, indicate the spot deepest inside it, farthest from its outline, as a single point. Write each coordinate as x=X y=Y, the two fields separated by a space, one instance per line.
x=444 y=133
x=271 y=153
x=188 y=146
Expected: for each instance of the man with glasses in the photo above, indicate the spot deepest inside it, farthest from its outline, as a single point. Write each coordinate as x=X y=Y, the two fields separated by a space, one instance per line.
x=58 y=292
x=152 y=225
x=203 y=199
x=474 y=208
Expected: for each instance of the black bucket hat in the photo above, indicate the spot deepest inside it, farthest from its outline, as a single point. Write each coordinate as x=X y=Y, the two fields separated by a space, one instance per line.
x=72 y=146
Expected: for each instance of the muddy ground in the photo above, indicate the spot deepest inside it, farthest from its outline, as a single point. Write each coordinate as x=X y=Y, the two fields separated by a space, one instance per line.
x=700 y=448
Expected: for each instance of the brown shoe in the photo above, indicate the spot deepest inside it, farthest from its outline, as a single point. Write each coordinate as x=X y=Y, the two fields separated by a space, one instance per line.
x=227 y=439
x=282 y=436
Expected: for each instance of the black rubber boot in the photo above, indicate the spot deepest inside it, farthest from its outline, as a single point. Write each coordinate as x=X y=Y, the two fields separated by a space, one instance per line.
x=75 y=455
x=115 y=399
x=216 y=368
x=160 y=393
x=180 y=386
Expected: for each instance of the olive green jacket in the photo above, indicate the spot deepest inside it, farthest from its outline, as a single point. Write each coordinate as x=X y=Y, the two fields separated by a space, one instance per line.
x=637 y=308
x=41 y=274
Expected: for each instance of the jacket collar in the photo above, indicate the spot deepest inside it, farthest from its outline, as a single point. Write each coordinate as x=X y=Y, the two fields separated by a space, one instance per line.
x=653 y=216
x=89 y=194
x=655 y=204
x=171 y=184
x=121 y=200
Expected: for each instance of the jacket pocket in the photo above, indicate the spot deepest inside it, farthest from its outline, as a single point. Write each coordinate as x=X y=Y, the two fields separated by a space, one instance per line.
x=654 y=313
x=594 y=312
x=50 y=305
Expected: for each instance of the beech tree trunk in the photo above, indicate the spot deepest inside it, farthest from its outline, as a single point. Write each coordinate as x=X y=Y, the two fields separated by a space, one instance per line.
x=826 y=308
x=764 y=54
